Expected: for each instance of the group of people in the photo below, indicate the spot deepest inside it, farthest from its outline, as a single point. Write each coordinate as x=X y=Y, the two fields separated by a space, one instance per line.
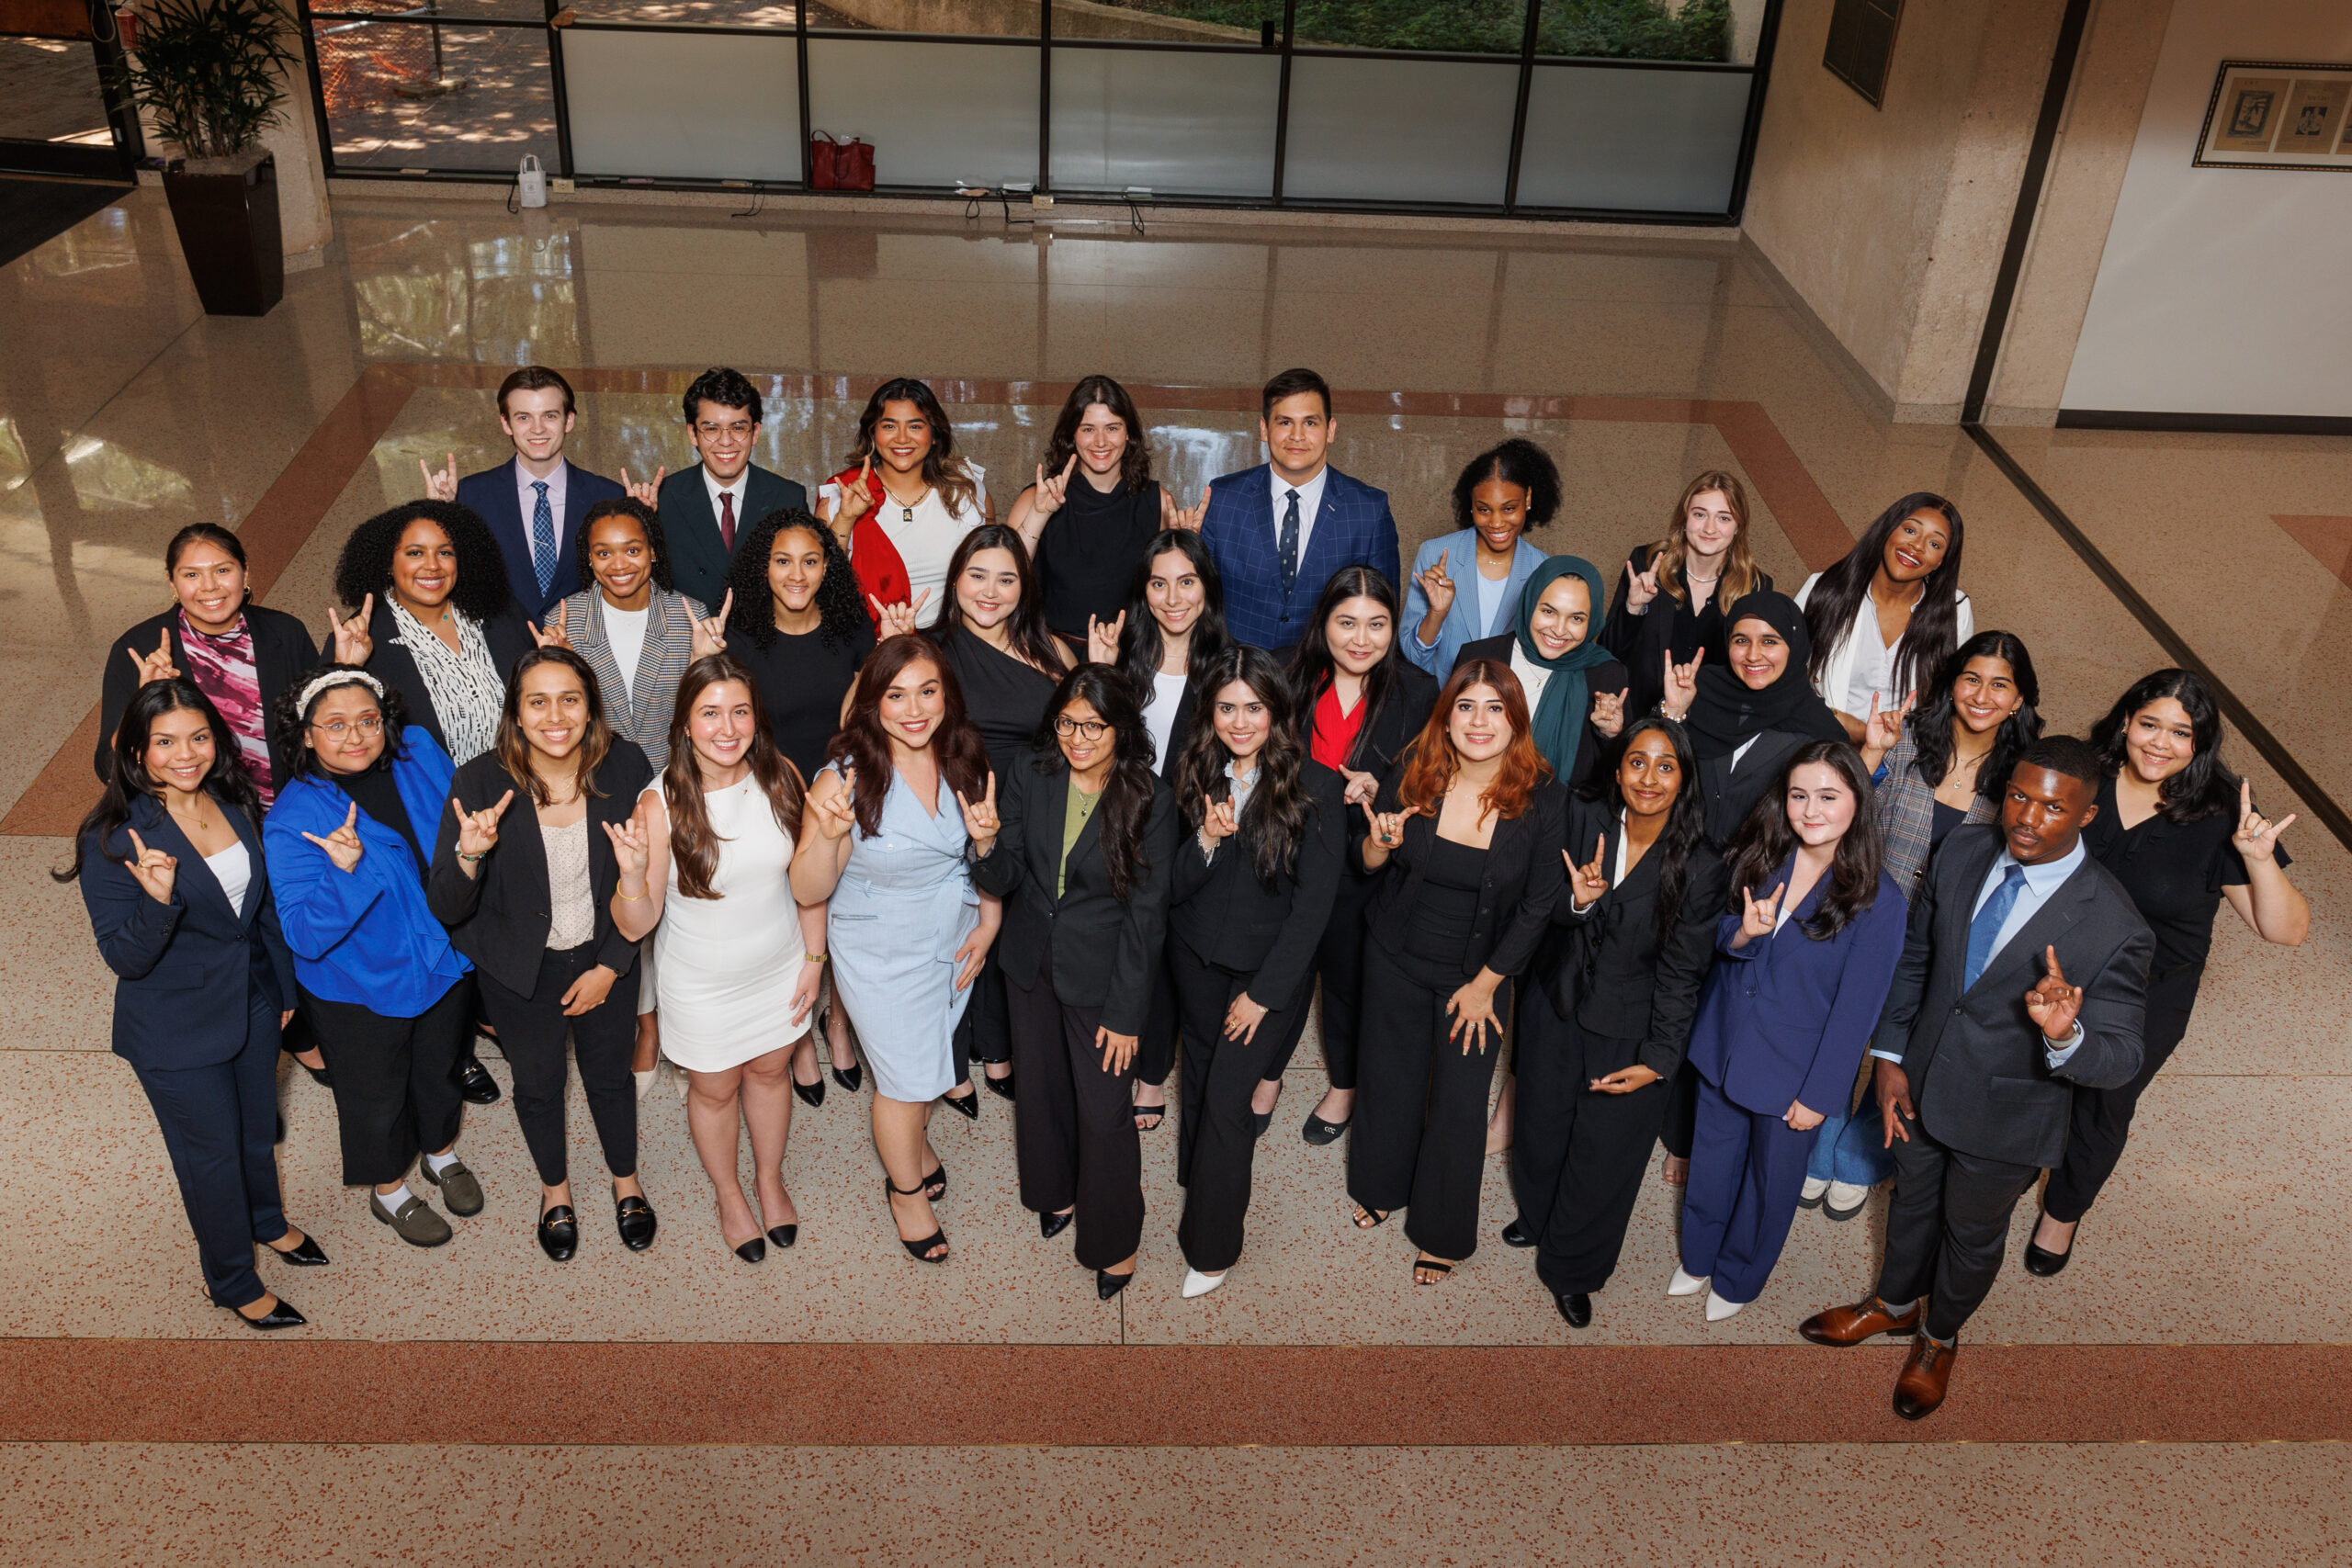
x=696 y=770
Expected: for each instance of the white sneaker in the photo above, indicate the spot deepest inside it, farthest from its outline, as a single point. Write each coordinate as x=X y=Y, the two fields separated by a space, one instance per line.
x=1845 y=1200
x=1683 y=1284
x=1719 y=1309
x=1815 y=1186
x=1198 y=1284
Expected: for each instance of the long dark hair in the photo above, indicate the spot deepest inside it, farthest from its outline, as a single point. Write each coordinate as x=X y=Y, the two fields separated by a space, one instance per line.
x=365 y=565
x=290 y=721
x=1275 y=819
x=1931 y=723
x=2206 y=784
x=1517 y=461
x=1024 y=629
x=206 y=534
x=694 y=846
x=840 y=603
x=225 y=782
x=1141 y=645
x=1126 y=806
x=514 y=750
x=1311 y=665
x=956 y=745
x=1135 y=463
x=1686 y=819
x=648 y=523
x=1767 y=839
x=942 y=470
x=1830 y=608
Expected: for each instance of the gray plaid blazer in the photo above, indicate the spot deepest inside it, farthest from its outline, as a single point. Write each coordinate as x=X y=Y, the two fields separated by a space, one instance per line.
x=639 y=712
x=1906 y=815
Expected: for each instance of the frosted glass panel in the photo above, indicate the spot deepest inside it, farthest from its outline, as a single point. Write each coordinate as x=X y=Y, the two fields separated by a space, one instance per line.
x=1399 y=130
x=1193 y=124
x=937 y=113
x=1633 y=140
x=676 y=106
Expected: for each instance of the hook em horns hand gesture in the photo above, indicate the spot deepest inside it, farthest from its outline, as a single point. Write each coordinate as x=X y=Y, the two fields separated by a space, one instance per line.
x=631 y=843
x=1681 y=683
x=553 y=633
x=1051 y=492
x=1587 y=883
x=710 y=631
x=981 y=824
x=646 y=493
x=1641 y=587
x=1103 y=639
x=443 y=485
x=895 y=620
x=154 y=870
x=1188 y=518
x=2258 y=837
x=1760 y=915
x=478 y=831
x=353 y=644
x=2052 y=1004
x=156 y=666
x=342 y=846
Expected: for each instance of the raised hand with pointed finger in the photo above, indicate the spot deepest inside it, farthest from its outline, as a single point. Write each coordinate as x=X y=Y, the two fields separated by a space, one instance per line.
x=710 y=631
x=1758 y=916
x=981 y=824
x=353 y=644
x=1437 y=587
x=154 y=870
x=1641 y=587
x=2052 y=1004
x=1103 y=639
x=552 y=634
x=156 y=666
x=1588 y=883
x=1188 y=518
x=1681 y=684
x=441 y=485
x=895 y=620
x=478 y=831
x=1050 y=493
x=646 y=493
x=2257 y=838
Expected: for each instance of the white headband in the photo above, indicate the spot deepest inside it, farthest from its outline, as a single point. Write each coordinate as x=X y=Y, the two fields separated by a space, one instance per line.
x=333 y=678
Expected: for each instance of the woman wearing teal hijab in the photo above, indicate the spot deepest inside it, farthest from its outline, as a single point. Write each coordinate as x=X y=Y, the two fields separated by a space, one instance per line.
x=1575 y=690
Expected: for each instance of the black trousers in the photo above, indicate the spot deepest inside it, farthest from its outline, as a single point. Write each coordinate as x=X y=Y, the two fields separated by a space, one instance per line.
x=1420 y=1120
x=1074 y=1134
x=218 y=1123
x=984 y=1033
x=1156 y=1047
x=1339 y=964
x=1681 y=1112
x=1217 y=1139
x=395 y=1081
x=1577 y=1156
x=2102 y=1124
x=1947 y=1227
x=532 y=1029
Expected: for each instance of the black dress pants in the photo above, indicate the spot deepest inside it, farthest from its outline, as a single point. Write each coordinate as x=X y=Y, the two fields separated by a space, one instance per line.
x=395 y=1081
x=1577 y=1156
x=1216 y=1138
x=532 y=1030
x=2102 y=1123
x=1074 y=1134
x=1419 y=1142
x=1156 y=1047
x=984 y=1033
x=1681 y=1111
x=1339 y=964
x=218 y=1123
x=1947 y=1227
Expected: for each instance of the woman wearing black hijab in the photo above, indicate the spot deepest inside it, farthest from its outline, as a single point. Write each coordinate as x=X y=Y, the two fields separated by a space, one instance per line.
x=1744 y=717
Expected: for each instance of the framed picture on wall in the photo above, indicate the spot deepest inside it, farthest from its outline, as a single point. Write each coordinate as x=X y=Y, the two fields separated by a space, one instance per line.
x=2271 y=114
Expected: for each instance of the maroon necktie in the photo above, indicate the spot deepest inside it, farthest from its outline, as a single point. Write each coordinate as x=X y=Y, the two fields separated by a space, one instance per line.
x=727 y=520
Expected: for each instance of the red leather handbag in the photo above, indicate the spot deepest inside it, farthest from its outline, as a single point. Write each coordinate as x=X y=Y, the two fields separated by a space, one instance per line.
x=823 y=162
x=840 y=166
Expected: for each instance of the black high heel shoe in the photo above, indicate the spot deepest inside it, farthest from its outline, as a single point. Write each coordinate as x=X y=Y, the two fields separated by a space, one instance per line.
x=282 y=1315
x=752 y=1251
x=306 y=1255
x=1107 y=1285
x=852 y=1079
x=917 y=1250
x=784 y=1235
x=1001 y=1088
x=1050 y=1226
x=560 y=1233
x=969 y=1106
x=935 y=1186
x=319 y=1075
x=809 y=1093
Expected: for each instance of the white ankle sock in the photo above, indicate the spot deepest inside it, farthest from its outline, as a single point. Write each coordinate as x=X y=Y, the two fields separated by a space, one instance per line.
x=393 y=1200
x=441 y=1162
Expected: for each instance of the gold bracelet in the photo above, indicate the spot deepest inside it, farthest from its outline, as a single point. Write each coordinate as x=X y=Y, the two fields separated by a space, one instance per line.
x=817 y=957
x=628 y=897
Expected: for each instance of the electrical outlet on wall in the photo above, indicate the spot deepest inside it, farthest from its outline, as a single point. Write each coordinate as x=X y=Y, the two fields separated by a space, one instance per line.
x=558 y=186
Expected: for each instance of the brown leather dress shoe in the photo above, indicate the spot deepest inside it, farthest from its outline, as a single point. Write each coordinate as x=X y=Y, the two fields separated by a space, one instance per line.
x=1853 y=1325
x=1919 y=1391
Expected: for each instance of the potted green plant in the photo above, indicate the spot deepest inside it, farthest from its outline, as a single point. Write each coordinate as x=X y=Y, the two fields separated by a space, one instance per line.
x=214 y=73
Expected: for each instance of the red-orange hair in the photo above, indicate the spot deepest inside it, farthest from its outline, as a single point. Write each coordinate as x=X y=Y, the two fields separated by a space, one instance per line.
x=1430 y=763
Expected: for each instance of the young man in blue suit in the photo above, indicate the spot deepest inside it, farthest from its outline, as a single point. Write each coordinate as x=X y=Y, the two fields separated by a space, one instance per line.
x=533 y=501
x=707 y=509
x=1280 y=530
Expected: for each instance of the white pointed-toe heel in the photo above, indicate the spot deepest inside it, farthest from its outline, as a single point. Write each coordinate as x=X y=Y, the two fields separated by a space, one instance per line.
x=1684 y=1284
x=1198 y=1284
x=1719 y=1309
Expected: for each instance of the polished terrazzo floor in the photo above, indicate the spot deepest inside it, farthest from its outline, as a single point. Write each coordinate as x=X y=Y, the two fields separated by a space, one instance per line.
x=2123 y=1409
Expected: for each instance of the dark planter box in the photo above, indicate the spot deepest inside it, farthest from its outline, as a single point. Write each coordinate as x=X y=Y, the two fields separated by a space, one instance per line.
x=227 y=226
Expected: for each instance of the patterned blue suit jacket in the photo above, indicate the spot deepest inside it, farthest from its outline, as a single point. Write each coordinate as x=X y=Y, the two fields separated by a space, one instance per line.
x=1352 y=528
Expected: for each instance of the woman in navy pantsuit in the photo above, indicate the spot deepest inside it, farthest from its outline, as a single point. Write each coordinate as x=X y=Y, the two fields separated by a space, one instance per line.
x=170 y=863
x=1808 y=951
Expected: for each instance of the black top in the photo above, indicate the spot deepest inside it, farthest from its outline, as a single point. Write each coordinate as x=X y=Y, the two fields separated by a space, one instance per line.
x=1003 y=697
x=1231 y=919
x=1606 y=676
x=1641 y=641
x=1947 y=818
x=1448 y=904
x=801 y=684
x=1088 y=550
x=379 y=797
x=1520 y=876
x=283 y=654
x=2175 y=872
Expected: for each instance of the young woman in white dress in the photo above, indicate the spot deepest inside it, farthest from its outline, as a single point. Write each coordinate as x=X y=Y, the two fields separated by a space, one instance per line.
x=706 y=860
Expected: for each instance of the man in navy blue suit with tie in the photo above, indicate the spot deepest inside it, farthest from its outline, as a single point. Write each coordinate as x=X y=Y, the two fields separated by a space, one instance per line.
x=1280 y=530
x=533 y=501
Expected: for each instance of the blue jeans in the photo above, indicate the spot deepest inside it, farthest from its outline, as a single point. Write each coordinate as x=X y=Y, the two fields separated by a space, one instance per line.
x=1852 y=1149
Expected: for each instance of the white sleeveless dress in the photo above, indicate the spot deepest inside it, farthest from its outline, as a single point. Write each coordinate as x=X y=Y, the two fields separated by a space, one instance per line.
x=726 y=967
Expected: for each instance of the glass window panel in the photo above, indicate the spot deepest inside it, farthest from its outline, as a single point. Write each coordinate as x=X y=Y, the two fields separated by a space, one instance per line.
x=1192 y=124
x=725 y=105
x=1470 y=27
x=951 y=18
x=1647 y=29
x=1246 y=24
x=430 y=10
x=1653 y=140
x=780 y=14
x=937 y=113
x=52 y=93
x=1399 y=130
x=440 y=96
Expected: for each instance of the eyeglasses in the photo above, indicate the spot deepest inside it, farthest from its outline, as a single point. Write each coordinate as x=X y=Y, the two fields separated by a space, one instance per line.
x=336 y=728
x=1091 y=729
x=739 y=429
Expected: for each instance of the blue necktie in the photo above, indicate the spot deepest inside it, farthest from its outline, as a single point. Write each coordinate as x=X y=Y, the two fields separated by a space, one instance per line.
x=1289 y=544
x=1985 y=929
x=543 y=538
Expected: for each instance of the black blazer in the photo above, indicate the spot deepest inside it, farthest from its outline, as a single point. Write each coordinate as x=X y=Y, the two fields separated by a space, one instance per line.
x=498 y=916
x=1606 y=676
x=1732 y=792
x=187 y=973
x=1606 y=967
x=1641 y=641
x=699 y=558
x=1523 y=878
x=1233 y=921
x=1105 y=950
x=283 y=654
x=1978 y=1073
x=508 y=634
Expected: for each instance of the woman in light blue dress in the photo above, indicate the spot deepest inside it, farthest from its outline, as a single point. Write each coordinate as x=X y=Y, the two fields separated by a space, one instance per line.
x=892 y=813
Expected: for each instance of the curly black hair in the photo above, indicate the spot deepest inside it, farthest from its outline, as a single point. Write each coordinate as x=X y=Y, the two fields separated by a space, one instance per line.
x=290 y=718
x=840 y=603
x=656 y=542
x=1517 y=461
x=365 y=565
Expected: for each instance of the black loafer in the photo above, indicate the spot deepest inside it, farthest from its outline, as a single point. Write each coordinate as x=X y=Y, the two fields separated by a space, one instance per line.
x=282 y=1315
x=1513 y=1235
x=560 y=1233
x=1050 y=1226
x=306 y=1255
x=634 y=1217
x=2045 y=1264
x=1575 y=1306
x=475 y=1083
x=967 y=1105
x=1319 y=1132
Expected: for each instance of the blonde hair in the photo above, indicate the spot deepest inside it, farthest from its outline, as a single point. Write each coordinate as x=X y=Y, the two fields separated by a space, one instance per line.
x=1739 y=567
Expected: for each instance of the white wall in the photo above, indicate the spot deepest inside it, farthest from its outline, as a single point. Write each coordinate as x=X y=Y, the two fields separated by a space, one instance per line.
x=2223 y=290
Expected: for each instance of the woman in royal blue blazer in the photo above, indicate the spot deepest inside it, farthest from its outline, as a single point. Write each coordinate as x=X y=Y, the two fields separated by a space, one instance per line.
x=378 y=975
x=170 y=863
x=1465 y=584
x=1807 y=952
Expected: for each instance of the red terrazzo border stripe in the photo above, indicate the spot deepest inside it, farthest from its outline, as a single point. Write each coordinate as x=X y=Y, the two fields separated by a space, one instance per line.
x=2329 y=539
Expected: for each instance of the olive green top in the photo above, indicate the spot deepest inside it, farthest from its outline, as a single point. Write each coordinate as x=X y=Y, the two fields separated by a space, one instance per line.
x=1078 y=807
